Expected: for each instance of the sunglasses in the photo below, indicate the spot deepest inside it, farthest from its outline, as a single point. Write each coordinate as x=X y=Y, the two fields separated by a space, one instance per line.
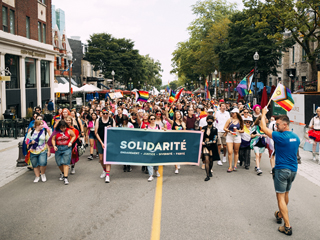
x=159 y=114
x=245 y=112
x=152 y=119
x=105 y=113
x=39 y=118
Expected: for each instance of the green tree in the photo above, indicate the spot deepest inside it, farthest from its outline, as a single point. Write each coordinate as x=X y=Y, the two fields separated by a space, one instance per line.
x=107 y=53
x=300 y=18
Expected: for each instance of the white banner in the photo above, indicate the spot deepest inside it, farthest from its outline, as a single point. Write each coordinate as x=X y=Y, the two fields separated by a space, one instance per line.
x=297 y=113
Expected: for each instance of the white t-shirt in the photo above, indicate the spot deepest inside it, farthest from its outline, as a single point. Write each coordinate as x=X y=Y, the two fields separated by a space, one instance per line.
x=221 y=119
x=315 y=121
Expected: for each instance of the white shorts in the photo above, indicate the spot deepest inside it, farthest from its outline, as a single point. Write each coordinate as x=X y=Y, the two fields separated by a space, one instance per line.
x=233 y=139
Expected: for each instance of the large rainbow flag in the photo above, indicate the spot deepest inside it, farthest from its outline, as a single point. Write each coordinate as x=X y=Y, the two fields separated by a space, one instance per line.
x=142 y=96
x=243 y=87
x=206 y=87
x=172 y=95
x=282 y=96
x=178 y=95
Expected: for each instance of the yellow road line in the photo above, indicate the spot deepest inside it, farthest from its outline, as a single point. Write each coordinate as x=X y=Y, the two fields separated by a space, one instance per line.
x=156 y=221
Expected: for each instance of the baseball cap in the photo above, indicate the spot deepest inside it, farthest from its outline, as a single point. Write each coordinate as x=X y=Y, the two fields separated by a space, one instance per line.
x=235 y=110
x=210 y=110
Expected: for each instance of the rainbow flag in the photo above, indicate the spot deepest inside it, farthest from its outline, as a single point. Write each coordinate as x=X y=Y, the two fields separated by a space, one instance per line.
x=203 y=114
x=206 y=88
x=248 y=105
x=243 y=87
x=167 y=89
x=178 y=95
x=282 y=96
x=172 y=95
x=142 y=96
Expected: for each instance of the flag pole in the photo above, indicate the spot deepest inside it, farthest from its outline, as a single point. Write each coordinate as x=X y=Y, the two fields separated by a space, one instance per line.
x=272 y=95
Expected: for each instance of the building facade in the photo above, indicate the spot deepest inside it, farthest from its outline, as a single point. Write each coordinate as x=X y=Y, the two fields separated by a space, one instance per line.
x=26 y=51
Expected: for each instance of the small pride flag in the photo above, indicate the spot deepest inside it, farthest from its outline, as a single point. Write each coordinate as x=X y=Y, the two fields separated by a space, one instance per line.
x=172 y=95
x=248 y=105
x=142 y=96
x=282 y=96
x=178 y=94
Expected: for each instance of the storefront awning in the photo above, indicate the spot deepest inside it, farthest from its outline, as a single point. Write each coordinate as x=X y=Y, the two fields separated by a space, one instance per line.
x=94 y=79
x=65 y=80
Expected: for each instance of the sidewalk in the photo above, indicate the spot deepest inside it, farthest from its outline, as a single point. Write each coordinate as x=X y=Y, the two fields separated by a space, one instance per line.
x=9 y=153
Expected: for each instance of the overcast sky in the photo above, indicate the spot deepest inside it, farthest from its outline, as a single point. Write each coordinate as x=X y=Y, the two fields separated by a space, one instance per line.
x=156 y=26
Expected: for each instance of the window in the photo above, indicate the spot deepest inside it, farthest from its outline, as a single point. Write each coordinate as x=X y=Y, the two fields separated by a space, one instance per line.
x=30 y=73
x=12 y=27
x=42 y=1
x=304 y=55
x=27 y=27
x=292 y=54
x=12 y=63
x=39 y=31
x=44 y=33
x=5 y=19
x=45 y=74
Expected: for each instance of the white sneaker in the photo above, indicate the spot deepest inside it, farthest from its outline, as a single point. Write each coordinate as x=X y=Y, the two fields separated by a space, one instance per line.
x=66 y=182
x=176 y=171
x=36 y=179
x=211 y=170
x=107 y=179
x=224 y=159
x=158 y=174
x=178 y=166
x=61 y=177
x=238 y=161
x=150 y=179
x=219 y=163
x=103 y=174
x=43 y=178
x=73 y=170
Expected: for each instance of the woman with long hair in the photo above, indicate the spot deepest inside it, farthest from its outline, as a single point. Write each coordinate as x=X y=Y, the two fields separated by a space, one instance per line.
x=177 y=125
x=62 y=143
x=258 y=143
x=209 y=146
x=92 y=136
x=65 y=112
x=153 y=126
x=159 y=119
x=233 y=128
x=36 y=141
x=74 y=150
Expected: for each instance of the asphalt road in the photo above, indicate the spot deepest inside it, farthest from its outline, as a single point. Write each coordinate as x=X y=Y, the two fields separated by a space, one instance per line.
x=237 y=205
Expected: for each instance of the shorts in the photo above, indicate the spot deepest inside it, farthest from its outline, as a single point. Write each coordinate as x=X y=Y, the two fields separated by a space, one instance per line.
x=92 y=135
x=100 y=149
x=221 y=138
x=63 y=155
x=39 y=159
x=259 y=149
x=283 y=179
x=233 y=138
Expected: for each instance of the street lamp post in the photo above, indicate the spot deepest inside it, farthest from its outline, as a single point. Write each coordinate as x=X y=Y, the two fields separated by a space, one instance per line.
x=215 y=84
x=200 y=84
x=256 y=59
x=130 y=79
x=113 y=73
x=69 y=58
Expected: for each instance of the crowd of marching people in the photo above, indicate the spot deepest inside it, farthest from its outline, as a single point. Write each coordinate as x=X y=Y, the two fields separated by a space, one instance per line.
x=230 y=132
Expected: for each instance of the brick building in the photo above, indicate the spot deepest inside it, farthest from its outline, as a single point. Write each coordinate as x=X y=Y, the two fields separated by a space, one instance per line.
x=26 y=50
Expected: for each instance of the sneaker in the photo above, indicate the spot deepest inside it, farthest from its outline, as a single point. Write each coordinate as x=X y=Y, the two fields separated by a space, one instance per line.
x=176 y=171
x=255 y=168
x=150 y=179
x=107 y=179
x=36 y=179
x=224 y=159
x=86 y=145
x=43 y=178
x=219 y=163
x=211 y=170
x=314 y=156
x=73 y=170
x=203 y=167
x=90 y=157
x=158 y=174
x=66 y=182
x=285 y=230
x=178 y=166
x=61 y=177
x=97 y=155
x=238 y=161
x=259 y=172
x=103 y=174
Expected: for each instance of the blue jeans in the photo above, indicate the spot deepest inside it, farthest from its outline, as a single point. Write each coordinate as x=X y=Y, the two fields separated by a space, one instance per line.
x=283 y=179
x=150 y=169
x=63 y=155
x=39 y=159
